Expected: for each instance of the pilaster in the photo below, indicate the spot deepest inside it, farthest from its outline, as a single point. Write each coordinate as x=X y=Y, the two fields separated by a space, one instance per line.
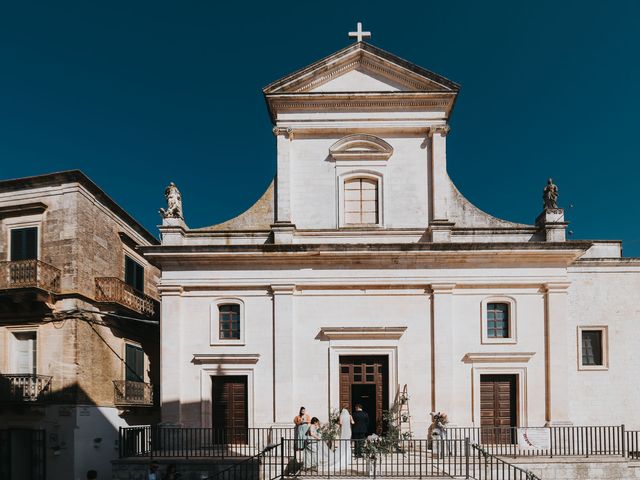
x=439 y=224
x=170 y=354
x=284 y=140
x=442 y=372
x=283 y=352
x=556 y=353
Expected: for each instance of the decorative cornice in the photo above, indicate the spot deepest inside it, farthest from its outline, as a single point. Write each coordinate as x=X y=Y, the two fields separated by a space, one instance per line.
x=364 y=104
x=362 y=333
x=442 y=130
x=361 y=146
x=226 y=358
x=401 y=77
x=22 y=209
x=498 y=357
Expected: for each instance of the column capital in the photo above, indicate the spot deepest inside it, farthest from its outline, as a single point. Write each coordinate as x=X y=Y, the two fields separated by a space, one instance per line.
x=442 y=130
x=442 y=288
x=283 y=289
x=286 y=131
x=556 y=287
x=170 y=290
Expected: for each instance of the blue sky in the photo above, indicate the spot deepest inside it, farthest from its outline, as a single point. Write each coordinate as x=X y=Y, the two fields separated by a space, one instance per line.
x=137 y=94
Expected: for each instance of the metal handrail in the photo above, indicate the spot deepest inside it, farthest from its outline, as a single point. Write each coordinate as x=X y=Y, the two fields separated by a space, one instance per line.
x=29 y=274
x=129 y=393
x=114 y=290
x=233 y=469
x=570 y=440
x=25 y=387
x=490 y=467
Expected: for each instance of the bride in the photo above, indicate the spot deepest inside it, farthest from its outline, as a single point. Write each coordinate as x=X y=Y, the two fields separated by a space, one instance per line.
x=340 y=458
x=318 y=455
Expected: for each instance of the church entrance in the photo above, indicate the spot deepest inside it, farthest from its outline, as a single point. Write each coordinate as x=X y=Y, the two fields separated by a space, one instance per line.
x=229 y=408
x=364 y=380
x=498 y=408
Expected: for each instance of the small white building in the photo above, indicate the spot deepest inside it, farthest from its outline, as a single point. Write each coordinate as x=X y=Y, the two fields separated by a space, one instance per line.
x=363 y=269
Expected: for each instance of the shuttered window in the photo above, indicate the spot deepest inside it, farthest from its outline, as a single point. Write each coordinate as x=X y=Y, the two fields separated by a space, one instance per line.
x=135 y=363
x=361 y=201
x=24 y=353
x=229 y=321
x=24 y=243
x=498 y=320
x=133 y=273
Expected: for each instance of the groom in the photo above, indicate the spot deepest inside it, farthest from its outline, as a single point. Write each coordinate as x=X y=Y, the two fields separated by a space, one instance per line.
x=360 y=428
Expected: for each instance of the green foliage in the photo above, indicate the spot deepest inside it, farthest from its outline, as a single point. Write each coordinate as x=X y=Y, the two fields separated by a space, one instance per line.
x=331 y=430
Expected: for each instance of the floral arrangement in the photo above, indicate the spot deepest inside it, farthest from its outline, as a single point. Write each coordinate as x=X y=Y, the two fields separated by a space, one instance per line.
x=439 y=419
x=331 y=430
x=373 y=447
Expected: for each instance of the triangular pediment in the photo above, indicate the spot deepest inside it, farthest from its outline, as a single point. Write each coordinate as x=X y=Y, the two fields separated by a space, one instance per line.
x=361 y=68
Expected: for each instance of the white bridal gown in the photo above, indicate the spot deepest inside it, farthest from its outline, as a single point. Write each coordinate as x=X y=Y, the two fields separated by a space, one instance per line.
x=340 y=458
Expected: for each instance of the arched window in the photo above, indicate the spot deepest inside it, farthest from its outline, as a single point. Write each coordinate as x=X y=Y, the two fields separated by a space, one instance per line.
x=361 y=201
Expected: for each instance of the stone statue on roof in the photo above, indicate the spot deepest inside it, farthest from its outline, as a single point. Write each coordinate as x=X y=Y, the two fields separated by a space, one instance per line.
x=550 y=195
x=174 y=202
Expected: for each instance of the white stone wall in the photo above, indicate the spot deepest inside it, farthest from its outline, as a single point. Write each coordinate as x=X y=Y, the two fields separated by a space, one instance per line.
x=605 y=295
x=314 y=182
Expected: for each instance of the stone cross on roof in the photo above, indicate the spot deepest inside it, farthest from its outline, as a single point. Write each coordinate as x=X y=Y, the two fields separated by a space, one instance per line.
x=359 y=34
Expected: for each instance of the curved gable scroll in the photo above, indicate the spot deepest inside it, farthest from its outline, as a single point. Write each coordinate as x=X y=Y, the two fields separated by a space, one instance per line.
x=361 y=146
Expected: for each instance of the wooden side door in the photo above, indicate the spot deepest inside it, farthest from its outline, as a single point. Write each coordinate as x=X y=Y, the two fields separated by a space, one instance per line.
x=498 y=408
x=229 y=405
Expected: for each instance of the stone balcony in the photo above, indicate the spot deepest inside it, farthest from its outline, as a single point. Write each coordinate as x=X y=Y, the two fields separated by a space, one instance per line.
x=112 y=290
x=25 y=388
x=128 y=393
x=29 y=274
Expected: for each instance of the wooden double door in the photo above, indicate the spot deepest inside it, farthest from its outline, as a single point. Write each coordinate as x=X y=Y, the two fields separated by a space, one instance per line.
x=498 y=408
x=364 y=381
x=229 y=409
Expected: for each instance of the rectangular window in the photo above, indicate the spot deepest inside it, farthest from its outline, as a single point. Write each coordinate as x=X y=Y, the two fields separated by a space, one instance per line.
x=497 y=320
x=361 y=201
x=229 y=321
x=24 y=353
x=133 y=273
x=592 y=348
x=24 y=243
x=134 y=359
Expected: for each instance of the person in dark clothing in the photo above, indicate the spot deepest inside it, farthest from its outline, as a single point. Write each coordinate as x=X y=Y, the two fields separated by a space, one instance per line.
x=92 y=475
x=360 y=429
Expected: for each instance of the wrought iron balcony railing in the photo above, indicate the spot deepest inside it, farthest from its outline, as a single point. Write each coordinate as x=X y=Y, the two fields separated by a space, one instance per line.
x=129 y=393
x=114 y=290
x=24 y=387
x=29 y=274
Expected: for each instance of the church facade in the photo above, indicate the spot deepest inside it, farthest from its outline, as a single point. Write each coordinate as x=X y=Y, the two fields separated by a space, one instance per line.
x=363 y=269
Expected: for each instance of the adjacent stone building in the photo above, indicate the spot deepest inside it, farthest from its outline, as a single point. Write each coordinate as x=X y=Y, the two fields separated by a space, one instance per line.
x=363 y=269
x=78 y=327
